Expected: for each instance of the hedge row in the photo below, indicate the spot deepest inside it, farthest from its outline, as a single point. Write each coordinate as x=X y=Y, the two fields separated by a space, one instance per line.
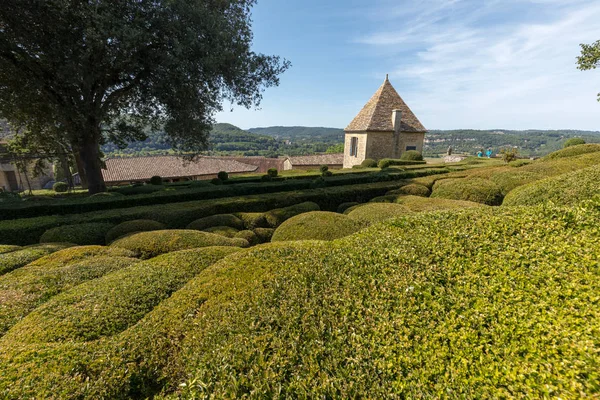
x=491 y=303
x=179 y=215
x=23 y=256
x=79 y=206
x=316 y=225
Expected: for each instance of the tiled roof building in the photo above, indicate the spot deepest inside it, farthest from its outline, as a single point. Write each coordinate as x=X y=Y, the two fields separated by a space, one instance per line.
x=385 y=128
x=304 y=162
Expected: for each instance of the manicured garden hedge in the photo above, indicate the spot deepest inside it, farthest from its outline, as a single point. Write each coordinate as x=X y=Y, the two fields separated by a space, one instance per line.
x=217 y=220
x=23 y=256
x=8 y=248
x=413 y=189
x=573 y=151
x=137 y=225
x=377 y=212
x=491 y=303
x=80 y=234
x=278 y=216
x=470 y=189
x=151 y=244
x=316 y=225
x=226 y=231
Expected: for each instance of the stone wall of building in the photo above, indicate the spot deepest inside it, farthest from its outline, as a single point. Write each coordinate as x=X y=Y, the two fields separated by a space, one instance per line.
x=408 y=139
x=380 y=145
x=349 y=160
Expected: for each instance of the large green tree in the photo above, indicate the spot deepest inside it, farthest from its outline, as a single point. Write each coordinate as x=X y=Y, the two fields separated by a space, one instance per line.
x=590 y=57
x=108 y=69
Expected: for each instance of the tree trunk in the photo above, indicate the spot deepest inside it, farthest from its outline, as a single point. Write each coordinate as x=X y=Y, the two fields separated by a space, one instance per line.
x=90 y=157
x=64 y=164
x=80 y=168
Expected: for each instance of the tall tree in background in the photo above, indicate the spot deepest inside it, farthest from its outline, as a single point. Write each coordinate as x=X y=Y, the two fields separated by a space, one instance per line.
x=109 y=69
x=590 y=57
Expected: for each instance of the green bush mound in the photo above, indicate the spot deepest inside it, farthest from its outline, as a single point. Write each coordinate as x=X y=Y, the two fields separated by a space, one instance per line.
x=264 y=235
x=250 y=236
x=316 y=225
x=566 y=189
x=278 y=216
x=23 y=256
x=344 y=206
x=26 y=288
x=151 y=244
x=8 y=248
x=376 y=212
x=217 y=220
x=412 y=189
x=547 y=168
x=112 y=303
x=412 y=155
x=491 y=303
x=226 y=231
x=573 y=142
x=573 y=151
x=424 y=204
x=368 y=163
x=253 y=220
x=72 y=255
x=507 y=178
x=137 y=225
x=81 y=234
x=477 y=190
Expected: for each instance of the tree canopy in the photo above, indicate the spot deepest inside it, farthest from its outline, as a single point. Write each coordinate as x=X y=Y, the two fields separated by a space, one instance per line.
x=110 y=69
x=590 y=57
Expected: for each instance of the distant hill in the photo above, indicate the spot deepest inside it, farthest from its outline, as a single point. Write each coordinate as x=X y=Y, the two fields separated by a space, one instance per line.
x=301 y=133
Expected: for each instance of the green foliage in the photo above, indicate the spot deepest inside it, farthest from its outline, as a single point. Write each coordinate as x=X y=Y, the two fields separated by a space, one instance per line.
x=573 y=150
x=319 y=182
x=8 y=248
x=368 y=163
x=60 y=187
x=253 y=220
x=412 y=155
x=509 y=155
x=216 y=181
x=81 y=234
x=223 y=176
x=156 y=180
x=248 y=235
x=470 y=189
x=264 y=234
x=9 y=198
x=217 y=220
x=589 y=58
x=388 y=162
x=151 y=244
x=323 y=168
x=376 y=212
x=385 y=163
x=137 y=225
x=226 y=231
x=344 y=206
x=110 y=304
x=266 y=178
x=104 y=195
x=413 y=189
x=22 y=256
x=316 y=225
x=27 y=288
x=278 y=216
x=566 y=189
x=338 y=148
x=426 y=204
x=272 y=172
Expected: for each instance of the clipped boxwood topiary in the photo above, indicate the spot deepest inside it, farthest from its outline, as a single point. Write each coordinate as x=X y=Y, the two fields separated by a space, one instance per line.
x=216 y=181
x=422 y=204
x=573 y=142
x=278 y=216
x=151 y=244
x=104 y=195
x=110 y=304
x=344 y=206
x=316 y=225
x=375 y=212
x=383 y=164
x=81 y=234
x=253 y=220
x=156 y=180
x=413 y=189
x=223 y=176
x=412 y=155
x=137 y=225
x=264 y=235
x=60 y=187
x=368 y=163
x=9 y=198
x=250 y=236
x=470 y=189
x=8 y=248
x=226 y=231
x=25 y=255
x=217 y=220
x=573 y=151
x=272 y=172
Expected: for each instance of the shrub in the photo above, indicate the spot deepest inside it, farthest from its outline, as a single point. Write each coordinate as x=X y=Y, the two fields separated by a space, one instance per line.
x=316 y=225
x=469 y=189
x=509 y=155
x=264 y=235
x=573 y=142
x=323 y=169
x=9 y=197
x=318 y=183
x=358 y=167
x=572 y=151
x=253 y=220
x=344 y=206
x=413 y=189
x=217 y=220
x=105 y=195
x=412 y=155
x=376 y=212
x=8 y=248
x=23 y=256
x=272 y=172
x=216 y=181
x=226 y=231
x=60 y=187
x=248 y=235
x=278 y=216
x=383 y=164
x=566 y=189
x=266 y=178
x=388 y=162
x=137 y=225
x=223 y=176
x=520 y=163
x=110 y=304
x=138 y=189
x=151 y=244
x=82 y=234
x=423 y=204
x=25 y=289
x=368 y=163
x=73 y=255
x=327 y=174
x=156 y=180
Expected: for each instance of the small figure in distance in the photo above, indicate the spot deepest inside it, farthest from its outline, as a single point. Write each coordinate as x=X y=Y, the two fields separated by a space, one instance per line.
x=449 y=150
x=488 y=153
x=480 y=153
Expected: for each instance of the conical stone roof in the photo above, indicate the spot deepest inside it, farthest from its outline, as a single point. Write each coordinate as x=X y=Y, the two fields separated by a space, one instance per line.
x=376 y=115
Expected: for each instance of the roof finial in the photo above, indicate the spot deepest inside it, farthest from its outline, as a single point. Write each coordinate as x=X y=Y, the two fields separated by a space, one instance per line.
x=387 y=77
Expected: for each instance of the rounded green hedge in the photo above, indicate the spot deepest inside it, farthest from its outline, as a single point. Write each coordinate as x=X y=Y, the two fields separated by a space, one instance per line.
x=8 y=248
x=253 y=220
x=566 y=189
x=425 y=204
x=112 y=303
x=344 y=206
x=412 y=155
x=151 y=244
x=76 y=254
x=368 y=163
x=278 y=216
x=217 y=220
x=137 y=225
x=573 y=142
x=226 y=231
x=470 y=189
x=412 y=189
x=25 y=255
x=264 y=234
x=60 y=187
x=573 y=151
x=81 y=234
x=316 y=225
x=376 y=212
x=27 y=288
x=248 y=235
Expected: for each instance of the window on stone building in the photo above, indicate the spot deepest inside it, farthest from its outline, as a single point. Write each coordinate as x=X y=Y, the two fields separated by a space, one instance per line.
x=408 y=148
x=354 y=146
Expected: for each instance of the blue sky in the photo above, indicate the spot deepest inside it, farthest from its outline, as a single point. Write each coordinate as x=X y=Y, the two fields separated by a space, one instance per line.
x=477 y=64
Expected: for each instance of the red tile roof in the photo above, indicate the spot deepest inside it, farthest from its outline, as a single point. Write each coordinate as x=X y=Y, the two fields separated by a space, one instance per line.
x=169 y=167
x=318 y=159
x=263 y=163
